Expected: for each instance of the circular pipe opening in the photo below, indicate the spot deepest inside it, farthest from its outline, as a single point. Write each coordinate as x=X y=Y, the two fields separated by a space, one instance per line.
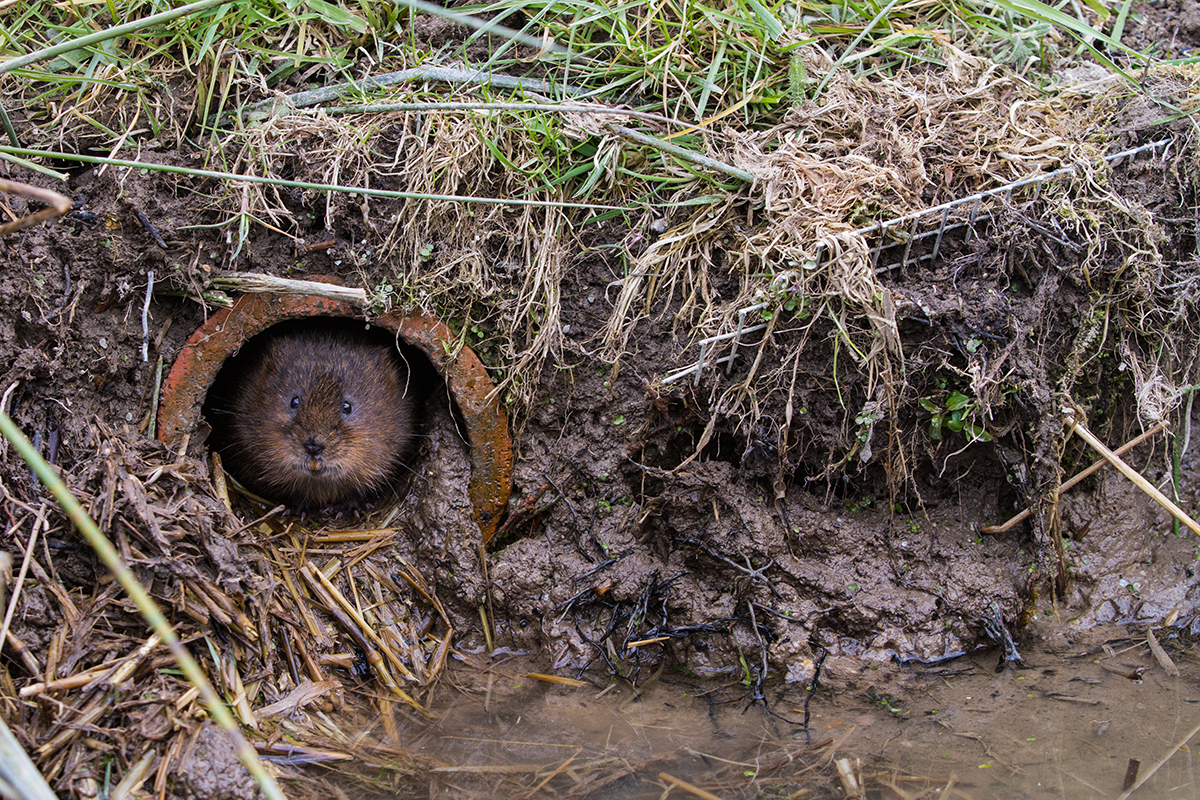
x=225 y=332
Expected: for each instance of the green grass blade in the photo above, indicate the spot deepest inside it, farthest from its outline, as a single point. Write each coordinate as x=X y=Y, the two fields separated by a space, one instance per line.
x=105 y=35
x=1084 y=32
x=883 y=12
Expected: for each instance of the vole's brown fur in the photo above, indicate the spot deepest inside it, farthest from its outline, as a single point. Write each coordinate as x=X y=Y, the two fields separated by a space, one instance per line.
x=320 y=419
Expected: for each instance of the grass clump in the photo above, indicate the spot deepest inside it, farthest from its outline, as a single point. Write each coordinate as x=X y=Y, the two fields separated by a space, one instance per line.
x=814 y=120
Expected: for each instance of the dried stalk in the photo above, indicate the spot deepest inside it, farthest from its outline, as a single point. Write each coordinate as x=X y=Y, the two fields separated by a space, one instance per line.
x=58 y=205
x=1120 y=451
x=1070 y=416
x=250 y=282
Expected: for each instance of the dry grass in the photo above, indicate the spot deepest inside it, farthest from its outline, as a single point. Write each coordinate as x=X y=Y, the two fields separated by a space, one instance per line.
x=276 y=612
x=867 y=150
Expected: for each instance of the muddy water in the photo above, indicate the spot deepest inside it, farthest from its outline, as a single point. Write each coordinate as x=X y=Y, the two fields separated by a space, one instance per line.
x=1065 y=724
x=511 y=734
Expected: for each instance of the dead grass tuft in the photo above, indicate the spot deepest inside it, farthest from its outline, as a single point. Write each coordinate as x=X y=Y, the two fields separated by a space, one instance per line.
x=868 y=150
x=272 y=612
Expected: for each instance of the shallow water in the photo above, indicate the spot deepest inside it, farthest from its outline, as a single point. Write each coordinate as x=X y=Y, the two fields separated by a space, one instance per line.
x=1064 y=725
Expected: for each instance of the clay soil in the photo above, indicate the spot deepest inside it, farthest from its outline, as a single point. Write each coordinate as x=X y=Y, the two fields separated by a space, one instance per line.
x=650 y=543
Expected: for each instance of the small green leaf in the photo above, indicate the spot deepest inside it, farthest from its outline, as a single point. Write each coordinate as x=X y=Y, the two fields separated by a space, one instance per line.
x=978 y=434
x=956 y=400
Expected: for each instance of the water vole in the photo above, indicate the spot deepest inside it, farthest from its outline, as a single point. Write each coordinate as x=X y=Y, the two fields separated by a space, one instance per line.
x=319 y=418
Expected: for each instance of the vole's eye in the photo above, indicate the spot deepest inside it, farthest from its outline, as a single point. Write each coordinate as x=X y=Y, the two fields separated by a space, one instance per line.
x=295 y=403
x=346 y=407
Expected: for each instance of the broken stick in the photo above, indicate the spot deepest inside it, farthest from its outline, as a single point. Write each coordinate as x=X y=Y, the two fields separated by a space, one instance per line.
x=1070 y=416
x=1122 y=450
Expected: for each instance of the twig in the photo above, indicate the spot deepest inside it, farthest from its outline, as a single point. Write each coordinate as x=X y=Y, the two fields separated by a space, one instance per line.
x=1131 y=773
x=367 y=637
x=250 y=282
x=20 y=581
x=558 y=679
x=749 y=569
x=133 y=780
x=152 y=425
x=304 y=694
x=8 y=393
x=812 y=690
x=1070 y=416
x=150 y=228
x=687 y=787
x=644 y=642
x=146 y=317
x=850 y=774
x=118 y=673
x=58 y=205
x=549 y=777
x=1161 y=656
x=69 y=682
x=256 y=522
x=1161 y=761
x=578 y=108
x=314 y=97
x=5 y=577
x=1120 y=451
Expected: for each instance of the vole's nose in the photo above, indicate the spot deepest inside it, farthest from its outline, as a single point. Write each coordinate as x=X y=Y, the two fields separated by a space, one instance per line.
x=313 y=447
